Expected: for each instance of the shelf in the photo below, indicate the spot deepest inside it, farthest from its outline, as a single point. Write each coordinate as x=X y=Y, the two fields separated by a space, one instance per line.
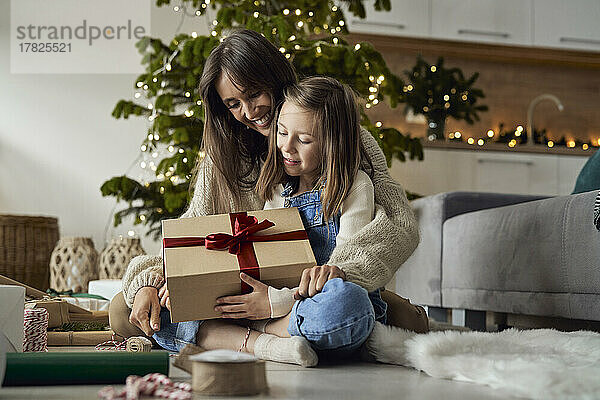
x=501 y=147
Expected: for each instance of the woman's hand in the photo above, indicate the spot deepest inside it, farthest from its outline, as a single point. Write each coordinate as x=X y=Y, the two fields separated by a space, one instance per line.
x=254 y=305
x=163 y=295
x=313 y=280
x=145 y=312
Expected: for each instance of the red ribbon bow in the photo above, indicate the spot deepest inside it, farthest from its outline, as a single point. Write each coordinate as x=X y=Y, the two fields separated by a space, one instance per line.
x=243 y=229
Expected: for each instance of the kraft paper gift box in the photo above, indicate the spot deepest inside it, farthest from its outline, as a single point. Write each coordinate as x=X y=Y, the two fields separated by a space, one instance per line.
x=197 y=273
x=12 y=299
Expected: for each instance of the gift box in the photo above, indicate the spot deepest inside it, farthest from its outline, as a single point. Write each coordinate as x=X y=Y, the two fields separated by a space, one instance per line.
x=203 y=257
x=12 y=299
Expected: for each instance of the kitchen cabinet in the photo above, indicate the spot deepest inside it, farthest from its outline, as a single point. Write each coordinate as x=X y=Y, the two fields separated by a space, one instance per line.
x=490 y=21
x=406 y=18
x=445 y=170
x=569 y=24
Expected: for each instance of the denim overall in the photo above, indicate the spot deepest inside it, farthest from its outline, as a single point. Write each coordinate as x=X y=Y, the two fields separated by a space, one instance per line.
x=339 y=322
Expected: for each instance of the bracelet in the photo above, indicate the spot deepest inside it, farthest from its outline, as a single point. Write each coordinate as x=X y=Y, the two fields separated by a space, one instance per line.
x=245 y=342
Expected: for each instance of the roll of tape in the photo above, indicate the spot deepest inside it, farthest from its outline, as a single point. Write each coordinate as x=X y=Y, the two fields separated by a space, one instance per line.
x=228 y=373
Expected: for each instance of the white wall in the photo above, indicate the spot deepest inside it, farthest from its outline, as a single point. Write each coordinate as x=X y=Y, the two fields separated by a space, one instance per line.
x=59 y=143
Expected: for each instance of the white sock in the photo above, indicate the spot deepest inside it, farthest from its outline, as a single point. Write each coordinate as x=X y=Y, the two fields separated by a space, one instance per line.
x=388 y=344
x=294 y=350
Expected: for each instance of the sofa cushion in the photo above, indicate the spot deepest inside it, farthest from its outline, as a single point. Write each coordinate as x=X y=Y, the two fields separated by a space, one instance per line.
x=540 y=258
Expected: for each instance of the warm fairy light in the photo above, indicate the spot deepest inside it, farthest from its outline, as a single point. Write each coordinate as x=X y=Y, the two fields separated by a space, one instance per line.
x=292 y=38
x=341 y=23
x=194 y=34
x=213 y=33
x=332 y=30
x=168 y=66
x=298 y=11
x=300 y=24
x=150 y=106
x=598 y=141
x=433 y=68
x=335 y=40
x=470 y=140
x=144 y=147
x=142 y=217
x=519 y=128
x=310 y=13
x=512 y=143
x=282 y=49
x=425 y=109
x=161 y=190
x=457 y=134
x=571 y=143
x=371 y=78
x=199 y=102
x=319 y=49
x=481 y=142
x=171 y=149
x=185 y=160
x=334 y=8
x=176 y=8
x=409 y=87
x=131 y=233
x=286 y=11
x=155 y=79
x=464 y=97
x=338 y=29
x=140 y=84
x=371 y=96
x=297 y=47
x=287 y=55
x=550 y=143
x=446 y=97
x=375 y=102
x=181 y=150
x=187 y=94
x=150 y=136
x=490 y=133
x=145 y=87
x=198 y=13
x=451 y=135
x=137 y=95
x=381 y=78
x=585 y=146
x=357 y=47
x=154 y=155
x=378 y=124
x=156 y=137
x=517 y=133
x=368 y=105
x=143 y=164
x=372 y=89
x=256 y=14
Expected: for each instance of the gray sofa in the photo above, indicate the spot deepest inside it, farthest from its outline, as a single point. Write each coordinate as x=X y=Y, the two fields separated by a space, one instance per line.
x=525 y=255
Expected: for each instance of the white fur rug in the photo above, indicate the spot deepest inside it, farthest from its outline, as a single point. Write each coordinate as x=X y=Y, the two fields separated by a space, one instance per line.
x=537 y=364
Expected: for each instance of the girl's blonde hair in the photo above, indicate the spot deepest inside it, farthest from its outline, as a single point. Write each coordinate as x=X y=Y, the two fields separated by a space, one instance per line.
x=336 y=128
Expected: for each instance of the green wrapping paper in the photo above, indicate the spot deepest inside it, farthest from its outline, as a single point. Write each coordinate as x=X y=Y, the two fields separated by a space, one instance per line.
x=36 y=369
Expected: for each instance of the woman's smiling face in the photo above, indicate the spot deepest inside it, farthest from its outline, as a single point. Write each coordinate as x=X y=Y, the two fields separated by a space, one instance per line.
x=251 y=107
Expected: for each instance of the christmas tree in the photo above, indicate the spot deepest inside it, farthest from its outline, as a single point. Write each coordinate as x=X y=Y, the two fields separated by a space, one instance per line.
x=310 y=33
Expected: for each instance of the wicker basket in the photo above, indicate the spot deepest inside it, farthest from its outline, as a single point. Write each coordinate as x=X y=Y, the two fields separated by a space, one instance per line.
x=26 y=243
x=73 y=264
x=116 y=256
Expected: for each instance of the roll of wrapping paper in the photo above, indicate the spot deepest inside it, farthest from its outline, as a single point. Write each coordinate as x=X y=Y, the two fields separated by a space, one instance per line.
x=37 y=369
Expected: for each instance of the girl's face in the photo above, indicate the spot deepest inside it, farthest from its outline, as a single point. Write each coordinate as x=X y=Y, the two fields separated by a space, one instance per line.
x=299 y=148
x=249 y=106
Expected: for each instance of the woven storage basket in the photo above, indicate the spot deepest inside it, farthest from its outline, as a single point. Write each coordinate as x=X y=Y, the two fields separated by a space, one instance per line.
x=73 y=264
x=26 y=243
x=116 y=256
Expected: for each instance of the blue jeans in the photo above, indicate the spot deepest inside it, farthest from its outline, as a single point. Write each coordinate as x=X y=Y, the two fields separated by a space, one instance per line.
x=339 y=319
x=174 y=336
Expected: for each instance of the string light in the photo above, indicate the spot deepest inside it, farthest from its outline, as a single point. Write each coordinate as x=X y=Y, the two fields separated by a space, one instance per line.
x=433 y=68
x=319 y=49
x=357 y=47
x=375 y=102
x=481 y=142
x=181 y=151
x=198 y=13
x=490 y=133
x=457 y=134
x=446 y=97
x=334 y=8
x=145 y=87
x=470 y=140
x=286 y=11
x=199 y=102
x=140 y=84
x=298 y=11
x=341 y=22
x=550 y=143
x=378 y=124
x=171 y=148
x=187 y=94
x=156 y=137
x=168 y=66
x=292 y=38
x=144 y=147
x=194 y=34
x=297 y=47
x=137 y=95
x=176 y=8
x=256 y=14
x=300 y=24
x=512 y=143
x=571 y=143
x=310 y=14
x=335 y=40
x=282 y=49
x=213 y=33
x=150 y=136
x=585 y=146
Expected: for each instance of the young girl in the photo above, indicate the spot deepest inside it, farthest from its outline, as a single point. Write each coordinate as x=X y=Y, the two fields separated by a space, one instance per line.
x=313 y=164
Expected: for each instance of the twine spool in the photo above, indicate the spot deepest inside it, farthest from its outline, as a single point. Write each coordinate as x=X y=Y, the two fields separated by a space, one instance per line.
x=228 y=373
x=35 y=329
x=73 y=264
x=138 y=344
x=116 y=257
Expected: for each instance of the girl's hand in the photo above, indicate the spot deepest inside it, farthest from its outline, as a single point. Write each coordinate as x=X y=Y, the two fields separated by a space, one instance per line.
x=163 y=295
x=253 y=305
x=313 y=280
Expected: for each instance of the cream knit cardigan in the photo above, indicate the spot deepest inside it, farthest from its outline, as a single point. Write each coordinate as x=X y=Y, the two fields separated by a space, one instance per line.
x=370 y=258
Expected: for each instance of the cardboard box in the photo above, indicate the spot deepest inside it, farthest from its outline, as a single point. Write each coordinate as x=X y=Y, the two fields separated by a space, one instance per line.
x=12 y=299
x=59 y=311
x=197 y=276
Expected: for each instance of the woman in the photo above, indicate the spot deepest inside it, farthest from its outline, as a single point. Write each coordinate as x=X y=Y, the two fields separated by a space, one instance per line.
x=242 y=81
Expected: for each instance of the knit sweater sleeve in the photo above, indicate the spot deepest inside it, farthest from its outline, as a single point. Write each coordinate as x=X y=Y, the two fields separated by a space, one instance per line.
x=147 y=270
x=373 y=254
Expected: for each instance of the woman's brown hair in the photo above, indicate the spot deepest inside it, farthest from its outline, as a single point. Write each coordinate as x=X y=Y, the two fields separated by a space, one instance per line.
x=337 y=129
x=251 y=62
